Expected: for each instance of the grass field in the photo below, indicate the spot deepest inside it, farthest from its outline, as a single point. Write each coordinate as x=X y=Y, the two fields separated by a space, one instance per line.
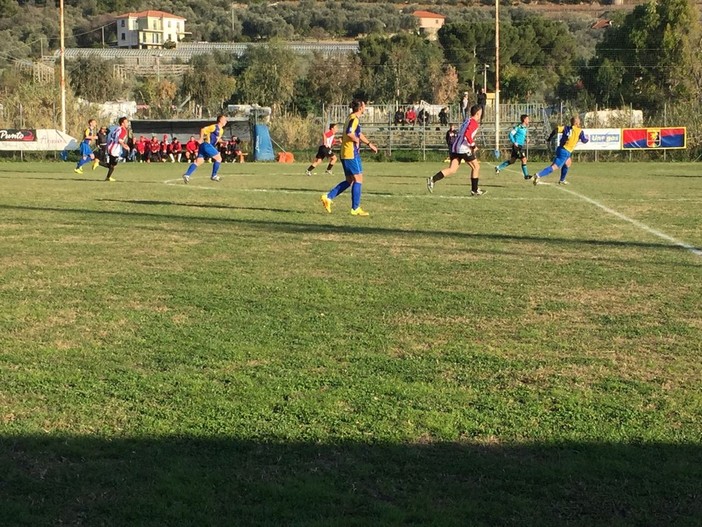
x=229 y=354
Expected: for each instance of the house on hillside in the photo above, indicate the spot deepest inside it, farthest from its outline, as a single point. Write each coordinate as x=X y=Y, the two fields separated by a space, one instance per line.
x=149 y=30
x=429 y=23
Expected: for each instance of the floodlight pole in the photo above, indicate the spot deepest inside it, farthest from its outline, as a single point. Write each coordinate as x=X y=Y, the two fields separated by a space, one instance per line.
x=497 y=77
x=63 y=69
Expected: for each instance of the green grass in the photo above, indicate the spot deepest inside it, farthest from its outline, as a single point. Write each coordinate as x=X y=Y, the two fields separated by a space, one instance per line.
x=229 y=354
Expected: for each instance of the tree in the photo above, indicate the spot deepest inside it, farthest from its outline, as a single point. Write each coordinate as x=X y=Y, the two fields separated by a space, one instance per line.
x=403 y=67
x=268 y=75
x=207 y=84
x=333 y=80
x=467 y=46
x=652 y=56
x=160 y=95
x=93 y=80
x=445 y=86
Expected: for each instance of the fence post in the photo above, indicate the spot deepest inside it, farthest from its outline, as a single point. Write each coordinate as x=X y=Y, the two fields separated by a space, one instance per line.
x=597 y=121
x=21 y=116
x=665 y=123
x=390 y=141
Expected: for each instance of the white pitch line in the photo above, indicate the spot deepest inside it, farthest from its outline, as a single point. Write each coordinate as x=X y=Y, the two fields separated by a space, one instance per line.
x=694 y=250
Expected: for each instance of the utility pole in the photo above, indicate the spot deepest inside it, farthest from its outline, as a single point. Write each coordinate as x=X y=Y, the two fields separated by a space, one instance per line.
x=63 y=68
x=497 y=78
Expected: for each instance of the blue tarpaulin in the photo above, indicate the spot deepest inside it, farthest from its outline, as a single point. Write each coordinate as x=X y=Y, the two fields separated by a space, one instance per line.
x=263 y=146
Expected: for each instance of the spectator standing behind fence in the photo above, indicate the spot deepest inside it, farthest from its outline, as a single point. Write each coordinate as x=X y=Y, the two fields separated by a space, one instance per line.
x=482 y=101
x=423 y=117
x=464 y=105
x=444 y=116
x=399 y=117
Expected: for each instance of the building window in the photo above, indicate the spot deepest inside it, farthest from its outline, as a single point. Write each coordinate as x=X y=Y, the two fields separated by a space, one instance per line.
x=122 y=23
x=124 y=36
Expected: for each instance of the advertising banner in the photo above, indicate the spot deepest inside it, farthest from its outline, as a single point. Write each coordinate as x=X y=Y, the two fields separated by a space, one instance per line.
x=12 y=134
x=654 y=138
x=601 y=139
x=42 y=140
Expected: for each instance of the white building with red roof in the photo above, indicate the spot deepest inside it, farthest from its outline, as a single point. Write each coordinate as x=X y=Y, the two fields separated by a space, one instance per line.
x=149 y=29
x=429 y=23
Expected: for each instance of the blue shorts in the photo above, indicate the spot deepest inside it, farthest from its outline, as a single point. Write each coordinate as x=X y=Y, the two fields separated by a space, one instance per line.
x=207 y=151
x=85 y=150
x=352 y=166
x=562 y=155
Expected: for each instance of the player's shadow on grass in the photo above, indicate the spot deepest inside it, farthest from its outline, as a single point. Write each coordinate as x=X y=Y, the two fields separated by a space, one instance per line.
x=196 y=205
x=48 y=480
x=99 y=176
x=355 y=228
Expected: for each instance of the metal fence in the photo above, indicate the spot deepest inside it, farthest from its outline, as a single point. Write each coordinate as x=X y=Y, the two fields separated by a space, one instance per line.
x=379 y=123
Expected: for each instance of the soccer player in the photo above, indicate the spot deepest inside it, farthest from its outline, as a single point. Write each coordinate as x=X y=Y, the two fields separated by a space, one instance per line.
x=325 y=150
x=571 y=135
x=116 y=144
x=351 y=161
x=86 y=151
x=518 y=138
x=209 y=137
x=463 y=149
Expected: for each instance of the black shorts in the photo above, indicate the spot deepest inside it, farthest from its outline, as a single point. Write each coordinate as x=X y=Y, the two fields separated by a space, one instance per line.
x=324 y=152
x=465 y=157
x=518 y=152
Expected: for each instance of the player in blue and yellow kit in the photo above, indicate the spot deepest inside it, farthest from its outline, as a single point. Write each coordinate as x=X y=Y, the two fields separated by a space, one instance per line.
x=209 y=137
x=351 y=161
x=86 y=149
x=518 y=138
x=571 y=135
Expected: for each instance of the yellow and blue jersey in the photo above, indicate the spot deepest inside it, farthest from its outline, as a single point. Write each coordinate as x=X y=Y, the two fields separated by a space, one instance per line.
x=88 y=135
x=571 y=136
x=211 y=134
x=349 y=148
